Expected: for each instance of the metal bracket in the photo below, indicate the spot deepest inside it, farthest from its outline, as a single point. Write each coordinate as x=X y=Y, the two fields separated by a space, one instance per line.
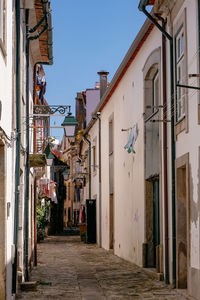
x=188 y=86
x=51 y=109
x=165 y=121
x=35 y=37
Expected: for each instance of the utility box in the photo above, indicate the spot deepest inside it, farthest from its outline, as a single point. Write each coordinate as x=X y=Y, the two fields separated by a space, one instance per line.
x=91 y=220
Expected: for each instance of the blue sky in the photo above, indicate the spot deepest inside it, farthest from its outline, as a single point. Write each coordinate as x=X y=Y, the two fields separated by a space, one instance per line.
x=88 y=36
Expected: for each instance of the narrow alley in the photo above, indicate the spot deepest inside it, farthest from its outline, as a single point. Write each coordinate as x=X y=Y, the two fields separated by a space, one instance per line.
x=70 y=269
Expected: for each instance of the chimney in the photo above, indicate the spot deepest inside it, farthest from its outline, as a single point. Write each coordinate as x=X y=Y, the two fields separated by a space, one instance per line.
x=103 y=82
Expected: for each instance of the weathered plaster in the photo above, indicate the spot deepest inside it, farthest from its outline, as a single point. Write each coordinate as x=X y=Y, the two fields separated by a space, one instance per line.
x=2 y=223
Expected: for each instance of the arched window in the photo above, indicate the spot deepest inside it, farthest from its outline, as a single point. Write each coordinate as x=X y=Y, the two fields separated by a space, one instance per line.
x=151 y=75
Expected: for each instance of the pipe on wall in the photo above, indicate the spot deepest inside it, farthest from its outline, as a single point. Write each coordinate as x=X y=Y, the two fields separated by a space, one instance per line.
x=165 y=159
x=18 y=143
x=142 y=7
x=199 y=29
x=100 y=233
x=27 y=165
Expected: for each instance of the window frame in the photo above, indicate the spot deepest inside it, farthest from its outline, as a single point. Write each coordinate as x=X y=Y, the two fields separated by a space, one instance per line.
x=155 y=100
x=94 y=157
x=111 y=154
x=3 y=23
x=179 y=62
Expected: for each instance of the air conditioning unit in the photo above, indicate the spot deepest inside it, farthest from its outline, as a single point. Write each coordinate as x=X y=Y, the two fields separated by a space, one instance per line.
x=29 y=4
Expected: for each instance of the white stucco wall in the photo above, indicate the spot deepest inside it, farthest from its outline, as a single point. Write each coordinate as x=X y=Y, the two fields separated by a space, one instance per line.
x=188 y=142
x=6 y=67
x=94 y=138
x=7 y=123
x=126 y=106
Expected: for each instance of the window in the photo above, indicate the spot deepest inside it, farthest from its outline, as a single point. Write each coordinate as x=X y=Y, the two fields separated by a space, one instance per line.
x=110 y=137
x=180 y=73
x=155 y=92
x=111 y=160
x=94 y=157
x=2 y=24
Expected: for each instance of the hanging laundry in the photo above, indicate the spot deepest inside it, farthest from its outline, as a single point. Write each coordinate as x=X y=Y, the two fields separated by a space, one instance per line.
x=132 y=137
x=83 y=215
x=53 y=192
x=42 y=89
x=77 y=189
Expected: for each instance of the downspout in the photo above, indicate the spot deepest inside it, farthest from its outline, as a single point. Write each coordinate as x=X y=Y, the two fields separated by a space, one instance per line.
x=27 y=165
x=199 y=31
x=142 y=7
x=88 y=142
x=100 y=239
x=199 y=55
x=35 y=180
x=18 y=144
x=35 y=222
x=166 y=220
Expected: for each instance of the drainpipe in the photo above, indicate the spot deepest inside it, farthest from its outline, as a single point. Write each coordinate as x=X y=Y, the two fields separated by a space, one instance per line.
x=89 y=148
x=100 y=239
x=199 y=29
x=165 y=152
x=27 y=166
x=103 y=86
x=18 y=144
x=35 y=180
x=35 y=222
x=142 y=7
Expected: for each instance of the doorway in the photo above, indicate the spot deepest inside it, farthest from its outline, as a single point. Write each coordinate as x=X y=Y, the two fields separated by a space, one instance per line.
x=151 y=247
x=182 y=223
x=111 y=229
x=91 y=220
x=156 y=219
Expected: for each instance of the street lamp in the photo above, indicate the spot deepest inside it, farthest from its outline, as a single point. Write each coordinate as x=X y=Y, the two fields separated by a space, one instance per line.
x=69 y=125
x=50 y=159
x=66 y=174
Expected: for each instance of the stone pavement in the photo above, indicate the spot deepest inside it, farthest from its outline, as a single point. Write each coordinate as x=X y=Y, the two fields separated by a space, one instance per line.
x=70 y=269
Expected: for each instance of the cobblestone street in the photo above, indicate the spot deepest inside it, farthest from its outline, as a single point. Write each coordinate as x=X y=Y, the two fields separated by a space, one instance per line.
x=70 y=269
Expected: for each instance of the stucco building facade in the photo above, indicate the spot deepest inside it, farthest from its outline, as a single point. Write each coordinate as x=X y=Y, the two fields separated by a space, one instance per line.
x=13 y=142
x=148 y=190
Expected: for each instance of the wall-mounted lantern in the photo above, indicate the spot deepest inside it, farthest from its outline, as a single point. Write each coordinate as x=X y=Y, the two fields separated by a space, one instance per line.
x=66 y=174
x=49 y=159
x=69 y=125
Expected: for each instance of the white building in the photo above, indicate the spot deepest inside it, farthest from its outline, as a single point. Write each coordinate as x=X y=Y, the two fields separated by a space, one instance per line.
x=149 y=212
x=13 y=103
x=6 y=146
